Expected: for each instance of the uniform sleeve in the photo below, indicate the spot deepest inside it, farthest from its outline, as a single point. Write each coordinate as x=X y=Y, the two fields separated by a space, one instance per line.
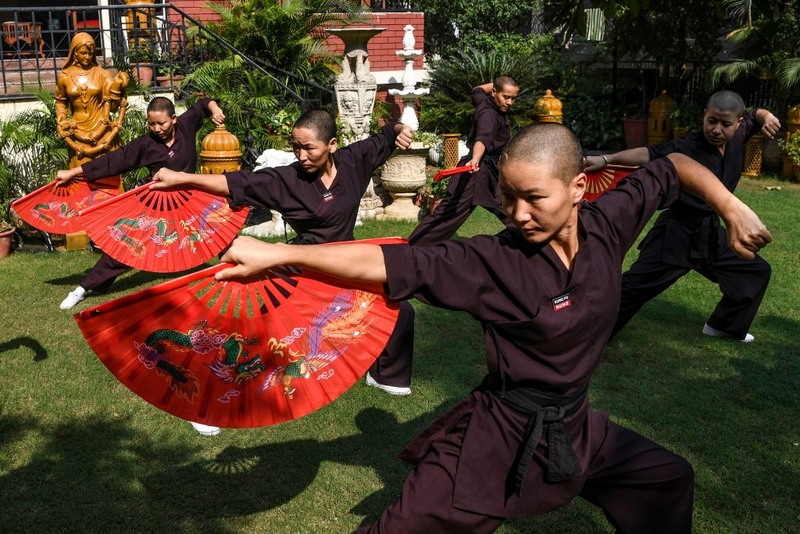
x=629 y=206
x=371 y=153
x=194 y=115
x=133 y=155
x=261 y=189
x=483 y=123
x=750 y=125
x=467 y=275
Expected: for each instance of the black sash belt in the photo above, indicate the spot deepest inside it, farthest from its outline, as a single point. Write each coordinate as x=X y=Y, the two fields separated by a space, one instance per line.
x=543 y=408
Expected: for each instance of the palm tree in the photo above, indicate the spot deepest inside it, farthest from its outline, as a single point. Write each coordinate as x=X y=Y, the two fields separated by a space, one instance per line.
x=766 y=43
x=288 y=34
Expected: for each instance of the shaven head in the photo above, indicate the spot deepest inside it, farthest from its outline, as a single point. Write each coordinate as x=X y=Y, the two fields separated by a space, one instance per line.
x=726 y=101
x=546 y=143
x=162 y=103
x=504 y=81
x=320 y=122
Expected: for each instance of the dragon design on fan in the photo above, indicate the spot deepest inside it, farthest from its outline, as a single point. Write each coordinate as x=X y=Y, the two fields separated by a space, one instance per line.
x=232 y=362
x=121 y=229
x=343 y=321
x=48 y=212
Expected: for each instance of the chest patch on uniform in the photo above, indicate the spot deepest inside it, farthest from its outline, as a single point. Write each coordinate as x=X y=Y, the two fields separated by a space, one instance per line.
x=561 y=302
x=171 y=153
x=327 y=197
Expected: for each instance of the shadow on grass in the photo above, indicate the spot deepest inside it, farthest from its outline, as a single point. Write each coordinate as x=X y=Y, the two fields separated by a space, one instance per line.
x=39 y=352
x=98 y=475
x=730 y=408
x=133 y=279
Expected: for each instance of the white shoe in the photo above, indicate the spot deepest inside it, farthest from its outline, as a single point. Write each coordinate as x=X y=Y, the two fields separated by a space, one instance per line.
x=713 y=332
x=74 y=297
x=205 y=430
x=391 y=390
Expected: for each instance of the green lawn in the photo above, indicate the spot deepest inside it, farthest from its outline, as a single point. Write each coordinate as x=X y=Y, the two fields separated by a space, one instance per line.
x=80 y=453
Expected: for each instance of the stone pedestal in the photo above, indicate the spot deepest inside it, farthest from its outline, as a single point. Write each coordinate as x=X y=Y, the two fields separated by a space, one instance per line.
x=402 y=175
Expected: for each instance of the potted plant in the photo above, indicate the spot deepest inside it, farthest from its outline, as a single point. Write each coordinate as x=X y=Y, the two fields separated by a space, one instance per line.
x=431 y=194
x=169 y=71
x=140 y=58
x=791 y=146
x=433 y=142
x=7 y=235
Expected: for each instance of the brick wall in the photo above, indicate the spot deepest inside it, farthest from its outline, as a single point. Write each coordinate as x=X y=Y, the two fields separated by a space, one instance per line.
x=382 y=47
x=196 y=9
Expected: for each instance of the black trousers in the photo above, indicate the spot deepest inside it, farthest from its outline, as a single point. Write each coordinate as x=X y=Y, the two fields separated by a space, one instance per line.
x=742 y=283
x=464 y=192
x=103 y=274
x=393 y=366
x=641 y=487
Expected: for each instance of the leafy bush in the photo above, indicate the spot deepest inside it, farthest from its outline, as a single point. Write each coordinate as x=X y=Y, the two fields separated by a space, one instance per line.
x=791 y=146
x=594 y=120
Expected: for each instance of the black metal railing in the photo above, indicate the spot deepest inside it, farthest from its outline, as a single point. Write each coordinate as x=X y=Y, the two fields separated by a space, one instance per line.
x=390 y=5
x=35 y=45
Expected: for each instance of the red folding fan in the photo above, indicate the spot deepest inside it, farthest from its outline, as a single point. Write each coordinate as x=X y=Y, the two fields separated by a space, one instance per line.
x=163 y=231
x=606 y=178
x=450 y=172
x=54 y=208
x=241 y=354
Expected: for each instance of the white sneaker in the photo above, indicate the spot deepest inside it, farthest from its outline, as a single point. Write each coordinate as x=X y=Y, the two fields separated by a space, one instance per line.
x=205 y=430
x=713 y=332
x=74 y=297
x=391 y=390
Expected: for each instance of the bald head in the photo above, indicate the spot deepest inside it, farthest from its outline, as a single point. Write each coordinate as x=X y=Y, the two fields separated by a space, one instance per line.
x=726 y=101
x=546 y=143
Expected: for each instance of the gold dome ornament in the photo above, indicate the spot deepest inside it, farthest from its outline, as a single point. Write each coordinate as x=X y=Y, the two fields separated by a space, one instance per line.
x=659 y=120
x=220 y=153
x=548 y=108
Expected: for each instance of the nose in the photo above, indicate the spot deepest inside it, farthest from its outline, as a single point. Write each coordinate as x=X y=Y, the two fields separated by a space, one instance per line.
x=517 y=212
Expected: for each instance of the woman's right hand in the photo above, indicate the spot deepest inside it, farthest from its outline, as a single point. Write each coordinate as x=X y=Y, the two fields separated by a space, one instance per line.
x=65 y=176
x=593 y=163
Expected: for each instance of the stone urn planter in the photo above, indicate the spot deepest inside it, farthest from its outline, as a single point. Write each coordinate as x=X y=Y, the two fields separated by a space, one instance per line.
x=402 y=176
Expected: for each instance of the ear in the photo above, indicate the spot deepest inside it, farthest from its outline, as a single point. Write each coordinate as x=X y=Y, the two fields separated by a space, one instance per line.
x=577 y=187
x=333 y=144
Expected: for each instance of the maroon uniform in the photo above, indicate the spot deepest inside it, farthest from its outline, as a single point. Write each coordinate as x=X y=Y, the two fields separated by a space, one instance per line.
x=689 y=236
x=151 y=152
x=526 y=441
x=467 y=190
x=322 y=215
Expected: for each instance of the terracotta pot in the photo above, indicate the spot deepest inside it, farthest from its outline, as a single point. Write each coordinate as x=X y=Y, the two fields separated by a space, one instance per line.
x=796 y=168
x=168 y=81
x=635 y=132
x=433 y=203
x=143 y=73
x=6 y=241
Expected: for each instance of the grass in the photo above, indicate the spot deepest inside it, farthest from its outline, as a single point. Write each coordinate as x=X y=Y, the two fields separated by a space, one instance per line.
x=80 y=453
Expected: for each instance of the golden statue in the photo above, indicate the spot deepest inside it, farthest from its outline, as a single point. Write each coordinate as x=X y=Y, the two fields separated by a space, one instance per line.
x=86 y=97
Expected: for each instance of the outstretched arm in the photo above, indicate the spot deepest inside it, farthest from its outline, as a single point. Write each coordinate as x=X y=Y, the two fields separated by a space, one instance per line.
x=633 y=157
x=166 y=179
x=350 y=261
x=746 y=233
